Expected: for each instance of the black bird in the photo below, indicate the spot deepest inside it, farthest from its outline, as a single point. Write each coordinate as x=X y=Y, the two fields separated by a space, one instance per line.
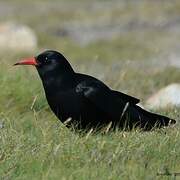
x=86 y=101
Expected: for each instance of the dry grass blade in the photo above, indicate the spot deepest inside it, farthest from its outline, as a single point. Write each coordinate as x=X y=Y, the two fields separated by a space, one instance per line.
x=67 y=121
x=89 y=133
x=34 y=101
x=108 y=127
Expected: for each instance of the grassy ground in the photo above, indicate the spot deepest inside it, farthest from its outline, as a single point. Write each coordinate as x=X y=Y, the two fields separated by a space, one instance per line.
x=35 y=145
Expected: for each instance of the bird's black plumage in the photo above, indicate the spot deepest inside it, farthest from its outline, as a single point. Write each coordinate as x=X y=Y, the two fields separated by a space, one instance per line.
x=88 y=101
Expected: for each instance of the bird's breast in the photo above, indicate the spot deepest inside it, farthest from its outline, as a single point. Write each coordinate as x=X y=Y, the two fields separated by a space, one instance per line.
x=65 y=104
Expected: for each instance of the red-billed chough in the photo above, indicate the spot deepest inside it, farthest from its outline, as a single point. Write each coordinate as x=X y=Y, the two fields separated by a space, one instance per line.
x=86 y=100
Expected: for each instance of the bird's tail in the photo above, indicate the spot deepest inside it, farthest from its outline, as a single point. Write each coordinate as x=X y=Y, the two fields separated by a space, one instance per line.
x=148 y=120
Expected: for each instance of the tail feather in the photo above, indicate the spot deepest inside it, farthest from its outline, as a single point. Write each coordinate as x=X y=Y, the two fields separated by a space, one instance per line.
x=148 y=120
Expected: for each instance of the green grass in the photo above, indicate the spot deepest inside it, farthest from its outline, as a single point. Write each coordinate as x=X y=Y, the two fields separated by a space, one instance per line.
x=33 y=142
x=35 y=145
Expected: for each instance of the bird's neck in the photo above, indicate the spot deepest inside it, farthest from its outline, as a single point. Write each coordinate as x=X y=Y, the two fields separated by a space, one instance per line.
x=58 y=82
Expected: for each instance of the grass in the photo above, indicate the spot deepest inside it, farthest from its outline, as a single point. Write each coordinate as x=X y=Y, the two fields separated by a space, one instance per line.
x=35 y=145
x=38 y=147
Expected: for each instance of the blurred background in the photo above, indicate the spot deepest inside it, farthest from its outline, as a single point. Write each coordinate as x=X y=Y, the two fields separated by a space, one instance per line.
x=131 y=45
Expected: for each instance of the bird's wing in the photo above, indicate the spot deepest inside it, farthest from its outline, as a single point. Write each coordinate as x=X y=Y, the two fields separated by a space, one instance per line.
x=125 y=97
x=101 y=96
x=95 y=91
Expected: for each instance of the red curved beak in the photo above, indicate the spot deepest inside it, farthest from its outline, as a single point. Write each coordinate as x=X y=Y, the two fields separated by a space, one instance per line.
x=27 y=61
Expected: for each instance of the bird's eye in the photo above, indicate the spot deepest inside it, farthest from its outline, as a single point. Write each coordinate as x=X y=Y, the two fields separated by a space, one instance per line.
x=46 y=61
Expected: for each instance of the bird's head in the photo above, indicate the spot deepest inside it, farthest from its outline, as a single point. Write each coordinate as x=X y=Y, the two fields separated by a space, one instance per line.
x=48 y=62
